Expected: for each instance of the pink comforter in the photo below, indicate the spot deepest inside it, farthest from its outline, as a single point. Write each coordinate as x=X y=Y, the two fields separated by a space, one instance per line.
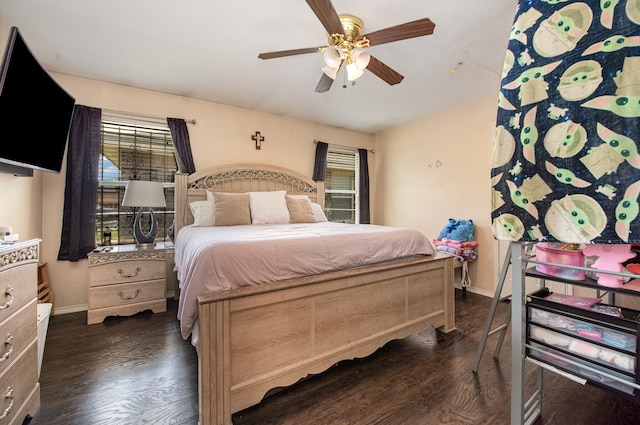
x=219 y=258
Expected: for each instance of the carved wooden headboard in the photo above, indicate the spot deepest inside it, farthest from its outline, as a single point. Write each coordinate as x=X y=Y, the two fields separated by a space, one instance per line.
x=238 y=178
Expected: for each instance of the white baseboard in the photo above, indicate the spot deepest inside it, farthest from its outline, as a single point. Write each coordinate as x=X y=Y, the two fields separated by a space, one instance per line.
x=478 y=291
x=70 y=309
x=82 y=307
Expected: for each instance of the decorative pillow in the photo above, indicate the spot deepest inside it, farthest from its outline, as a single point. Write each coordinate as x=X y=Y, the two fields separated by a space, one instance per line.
x=269 y=207
x=300 y=210
x=202 y=212
x=231 y=209
x=318 y=213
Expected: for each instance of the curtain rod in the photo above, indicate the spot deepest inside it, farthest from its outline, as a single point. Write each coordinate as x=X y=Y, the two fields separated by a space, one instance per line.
x=136 y=114
x=315 y=142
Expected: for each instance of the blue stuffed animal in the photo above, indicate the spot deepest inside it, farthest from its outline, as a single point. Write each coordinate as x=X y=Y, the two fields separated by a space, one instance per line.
x=444 y=233
x=463 y=231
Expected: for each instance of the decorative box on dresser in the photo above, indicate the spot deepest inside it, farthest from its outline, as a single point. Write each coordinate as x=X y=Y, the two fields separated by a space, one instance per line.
x=19 y=387
x=126 y=280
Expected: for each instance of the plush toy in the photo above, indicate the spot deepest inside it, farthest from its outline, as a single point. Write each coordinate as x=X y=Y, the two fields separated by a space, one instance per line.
x=609 y=257
x=444 y=233
x=463 y=231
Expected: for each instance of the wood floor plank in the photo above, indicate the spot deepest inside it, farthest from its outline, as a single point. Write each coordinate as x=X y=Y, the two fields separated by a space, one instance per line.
x=137 y=370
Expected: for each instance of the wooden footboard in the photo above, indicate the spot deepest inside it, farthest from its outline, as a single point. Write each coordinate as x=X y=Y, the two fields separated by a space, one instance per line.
x=257 y=338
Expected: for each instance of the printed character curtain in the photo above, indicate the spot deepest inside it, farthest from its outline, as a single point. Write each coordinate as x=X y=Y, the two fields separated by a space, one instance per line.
x=565 y=161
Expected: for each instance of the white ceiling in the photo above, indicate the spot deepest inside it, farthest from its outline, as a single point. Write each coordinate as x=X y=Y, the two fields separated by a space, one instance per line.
x=208 y=49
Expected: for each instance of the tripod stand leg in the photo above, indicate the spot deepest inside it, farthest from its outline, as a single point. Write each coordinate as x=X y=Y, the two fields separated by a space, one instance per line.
x=492 y=312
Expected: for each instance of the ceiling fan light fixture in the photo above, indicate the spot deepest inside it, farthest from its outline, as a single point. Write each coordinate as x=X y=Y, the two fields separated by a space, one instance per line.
x=353 y=73
x=331 y=72
x=357 y=62
x=360 y=58
x=332 y=57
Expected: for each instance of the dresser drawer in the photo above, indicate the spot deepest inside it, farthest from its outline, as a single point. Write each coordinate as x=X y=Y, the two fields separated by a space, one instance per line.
x=18 y=286
x=126 y=294
x=17 y=333
x=17 y=383
x=126 y=271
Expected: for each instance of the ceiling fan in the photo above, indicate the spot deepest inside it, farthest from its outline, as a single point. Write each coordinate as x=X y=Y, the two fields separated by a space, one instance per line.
x=347 y=45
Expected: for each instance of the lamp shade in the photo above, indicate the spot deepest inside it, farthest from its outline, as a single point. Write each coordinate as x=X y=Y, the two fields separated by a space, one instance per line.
x=332 y=57
x=331 y=72
x=356 y=63
x=360 y=58
x=353 y=73
x=144 y=194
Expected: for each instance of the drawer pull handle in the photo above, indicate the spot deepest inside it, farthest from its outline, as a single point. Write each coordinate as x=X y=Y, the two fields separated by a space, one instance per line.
x=9 y=298
x=122 y=297
x=9 y=395
x=134 y=274
x=9 y=342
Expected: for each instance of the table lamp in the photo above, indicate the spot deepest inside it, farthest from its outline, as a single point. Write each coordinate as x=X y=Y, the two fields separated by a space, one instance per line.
x=144 y=194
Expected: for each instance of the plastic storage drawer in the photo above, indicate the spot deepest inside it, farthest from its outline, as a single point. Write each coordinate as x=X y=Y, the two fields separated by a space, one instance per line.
x=601 y=348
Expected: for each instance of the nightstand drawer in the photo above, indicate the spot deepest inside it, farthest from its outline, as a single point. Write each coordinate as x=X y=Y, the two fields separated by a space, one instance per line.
x=18 y=287
x=126 y=294
x=16 y=334
x=126 y=271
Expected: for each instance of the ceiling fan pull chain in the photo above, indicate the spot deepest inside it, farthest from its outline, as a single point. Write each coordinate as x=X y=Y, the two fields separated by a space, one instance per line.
x=344 y=78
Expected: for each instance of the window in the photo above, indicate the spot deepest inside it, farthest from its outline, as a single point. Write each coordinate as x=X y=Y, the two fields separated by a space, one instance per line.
x=132 y=150
x=341 y=186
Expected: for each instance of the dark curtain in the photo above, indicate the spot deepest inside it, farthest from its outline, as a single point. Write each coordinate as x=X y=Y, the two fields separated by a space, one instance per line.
x=364 y=187
x=320 y=164
x=78 y=236
x=181 y=145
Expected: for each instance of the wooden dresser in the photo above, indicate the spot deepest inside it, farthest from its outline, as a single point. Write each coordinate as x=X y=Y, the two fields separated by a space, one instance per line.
x=127 y=280
x=19 y=387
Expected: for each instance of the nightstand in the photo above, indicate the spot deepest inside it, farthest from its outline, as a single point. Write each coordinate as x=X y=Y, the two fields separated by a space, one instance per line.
x=127 y=280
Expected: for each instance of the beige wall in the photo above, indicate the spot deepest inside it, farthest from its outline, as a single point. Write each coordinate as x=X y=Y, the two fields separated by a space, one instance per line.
x=221 y=135
x=21 y=204
x=437 y=168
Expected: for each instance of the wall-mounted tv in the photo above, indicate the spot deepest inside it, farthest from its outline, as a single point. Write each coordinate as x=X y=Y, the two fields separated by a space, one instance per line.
x=35 y=112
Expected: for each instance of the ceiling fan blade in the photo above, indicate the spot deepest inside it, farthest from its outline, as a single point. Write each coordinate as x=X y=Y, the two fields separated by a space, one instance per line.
x=324 y=84
x=283 y=53
x=327 y=15
x=384 y=72
x=413 y=29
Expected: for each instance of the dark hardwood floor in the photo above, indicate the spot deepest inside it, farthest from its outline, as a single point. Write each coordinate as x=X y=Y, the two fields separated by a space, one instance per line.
x=137 y=370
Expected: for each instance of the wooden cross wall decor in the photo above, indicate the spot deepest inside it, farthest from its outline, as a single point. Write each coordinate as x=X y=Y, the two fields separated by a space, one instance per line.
x=258 y=138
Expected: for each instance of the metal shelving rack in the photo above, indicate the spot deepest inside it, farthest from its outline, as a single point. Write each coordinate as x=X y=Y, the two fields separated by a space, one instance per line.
x=523 y=410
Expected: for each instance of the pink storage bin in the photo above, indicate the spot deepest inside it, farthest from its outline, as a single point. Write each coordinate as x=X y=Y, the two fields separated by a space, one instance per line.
x=554 y=253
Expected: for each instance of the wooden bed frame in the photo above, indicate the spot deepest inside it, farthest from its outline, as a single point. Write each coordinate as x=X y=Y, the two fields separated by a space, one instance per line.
x=257 y=338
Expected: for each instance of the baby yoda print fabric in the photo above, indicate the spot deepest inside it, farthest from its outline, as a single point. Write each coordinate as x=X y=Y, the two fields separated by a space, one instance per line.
x=565 y=161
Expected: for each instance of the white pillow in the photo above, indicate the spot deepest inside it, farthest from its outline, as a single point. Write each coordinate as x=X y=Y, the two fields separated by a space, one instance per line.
x=202 y=212
x=269 y=207
x=318 y=213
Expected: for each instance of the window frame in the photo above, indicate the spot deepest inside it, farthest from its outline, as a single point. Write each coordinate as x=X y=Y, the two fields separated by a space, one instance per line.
x=124 y=216
x=354 y=193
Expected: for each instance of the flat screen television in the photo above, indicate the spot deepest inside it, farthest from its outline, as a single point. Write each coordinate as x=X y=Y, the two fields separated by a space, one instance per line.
x=35 y=112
